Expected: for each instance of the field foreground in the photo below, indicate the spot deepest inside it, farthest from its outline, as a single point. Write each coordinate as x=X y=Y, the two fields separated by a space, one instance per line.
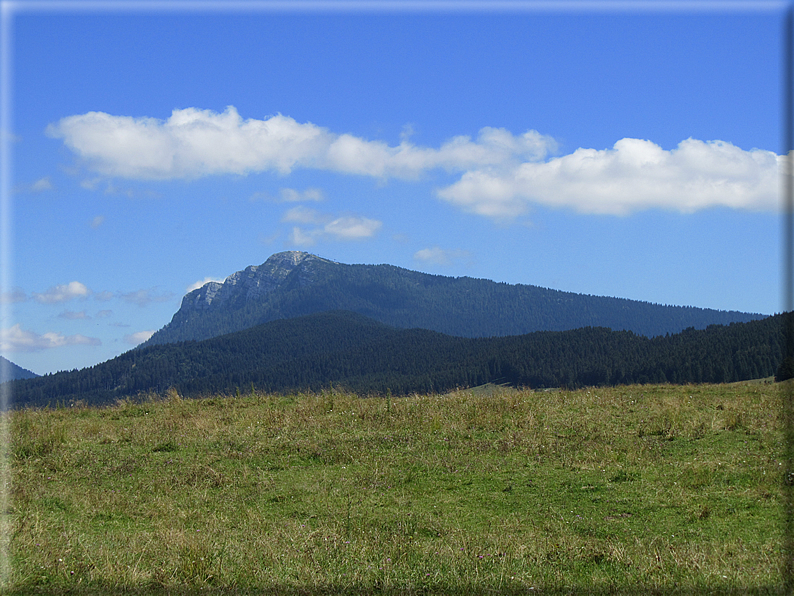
x=634 y=489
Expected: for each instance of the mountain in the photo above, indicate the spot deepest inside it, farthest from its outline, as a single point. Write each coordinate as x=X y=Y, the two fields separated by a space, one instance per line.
x=349 y=351
x=292 y=284
x=10 y=371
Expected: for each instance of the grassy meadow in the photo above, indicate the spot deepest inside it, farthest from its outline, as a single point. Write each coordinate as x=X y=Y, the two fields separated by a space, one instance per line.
x=638 y=489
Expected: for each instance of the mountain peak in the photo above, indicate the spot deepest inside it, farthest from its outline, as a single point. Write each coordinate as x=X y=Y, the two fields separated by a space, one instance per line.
x=295 y=283
x=288 y=258
x=252 y=283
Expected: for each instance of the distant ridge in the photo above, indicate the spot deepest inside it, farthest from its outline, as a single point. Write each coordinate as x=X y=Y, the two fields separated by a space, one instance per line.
x=291 y=284
x=11 y=372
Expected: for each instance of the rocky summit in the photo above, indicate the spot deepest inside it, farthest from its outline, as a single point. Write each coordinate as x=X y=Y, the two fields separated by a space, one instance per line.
x=250 y=284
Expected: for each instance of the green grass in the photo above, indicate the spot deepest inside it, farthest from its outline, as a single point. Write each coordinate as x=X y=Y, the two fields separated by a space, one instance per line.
x=633 y=489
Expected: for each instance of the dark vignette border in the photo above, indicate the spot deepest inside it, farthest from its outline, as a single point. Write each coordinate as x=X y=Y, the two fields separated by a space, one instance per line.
x=7 y=9
x=788 y=277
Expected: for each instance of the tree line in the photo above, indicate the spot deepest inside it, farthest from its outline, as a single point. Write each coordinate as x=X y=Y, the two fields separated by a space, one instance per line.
x=349 y=351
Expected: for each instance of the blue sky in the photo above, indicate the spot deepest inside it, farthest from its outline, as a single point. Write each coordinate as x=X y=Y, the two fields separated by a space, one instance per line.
x=629 y=152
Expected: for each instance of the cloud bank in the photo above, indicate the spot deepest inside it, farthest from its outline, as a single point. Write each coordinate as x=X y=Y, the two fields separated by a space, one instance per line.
x=634 y=175
x=16 y=339
x=193 y=143
x=500 y=174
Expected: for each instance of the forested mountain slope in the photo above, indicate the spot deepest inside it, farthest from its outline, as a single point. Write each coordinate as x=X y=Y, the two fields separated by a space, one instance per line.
x=10 y=371
x=350 y=351
x=293 y=284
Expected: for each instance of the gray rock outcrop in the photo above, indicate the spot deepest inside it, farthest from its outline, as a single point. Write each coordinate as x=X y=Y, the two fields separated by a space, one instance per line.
x=250 y=284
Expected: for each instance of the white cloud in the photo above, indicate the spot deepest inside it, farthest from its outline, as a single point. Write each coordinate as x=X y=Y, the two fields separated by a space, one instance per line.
x=634 y=175
x=439 y=256
x=138 y=337
x=304 y=215
x=12 y=296
x=103 y=314
x=103 y=296
x=90 y=183
x=62 y=293
x=97 y=221
x=190 y=144
x=7 y=135
x=145 y=297
x=112 y=189
x=41 y=185
x=74 y=316
x=341 y=229
x=502 y=174
x=16 y=339
x=345 y=227
x=407 y=132
x=205 y=281
x=300 y=238
x=290 y=195
x=194 y=143
x=352 y=228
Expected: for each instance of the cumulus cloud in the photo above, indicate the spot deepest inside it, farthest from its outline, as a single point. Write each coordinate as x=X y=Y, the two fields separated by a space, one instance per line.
x=439 y=256
x=341 y=228
x=325 y=225
x=352 y=228
x=62 y=293
x=190 y=144
x=138 y=338
x=16 y=339
x=198 y=284
x=501 y=174
x=634 y=175
x=193 y=143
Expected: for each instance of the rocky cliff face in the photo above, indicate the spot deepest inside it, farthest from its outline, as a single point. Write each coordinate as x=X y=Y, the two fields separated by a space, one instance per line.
x=251 y=283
